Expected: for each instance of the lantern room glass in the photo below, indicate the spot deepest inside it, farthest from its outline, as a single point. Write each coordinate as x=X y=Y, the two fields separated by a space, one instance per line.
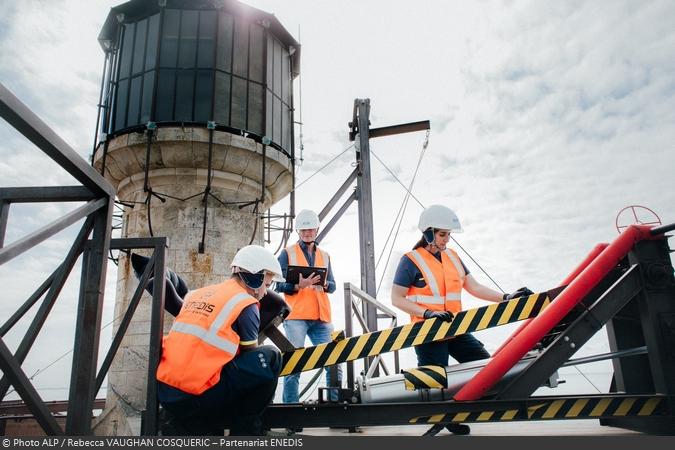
x=197 y=66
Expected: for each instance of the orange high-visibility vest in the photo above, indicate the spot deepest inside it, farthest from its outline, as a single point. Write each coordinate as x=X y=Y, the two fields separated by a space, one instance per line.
x=308 y=303
x=444 y=281
x=201 y=340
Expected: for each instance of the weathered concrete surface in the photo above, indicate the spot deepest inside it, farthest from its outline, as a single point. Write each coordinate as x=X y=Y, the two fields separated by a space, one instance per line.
x=177 y=172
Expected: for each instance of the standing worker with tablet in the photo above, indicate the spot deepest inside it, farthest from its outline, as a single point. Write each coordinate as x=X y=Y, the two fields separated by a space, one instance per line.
x=307 y=296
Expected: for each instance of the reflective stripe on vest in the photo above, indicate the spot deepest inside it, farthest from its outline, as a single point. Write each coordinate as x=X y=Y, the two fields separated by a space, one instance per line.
x=434 y=300
x=308 y=303
x=443 y=286
x=455 y=262
x=210 y=335
x=202 y=340
x=428 y=277
x=293 y=257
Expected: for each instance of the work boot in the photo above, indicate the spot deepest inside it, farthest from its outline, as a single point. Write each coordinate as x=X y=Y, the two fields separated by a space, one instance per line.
x=458 y=428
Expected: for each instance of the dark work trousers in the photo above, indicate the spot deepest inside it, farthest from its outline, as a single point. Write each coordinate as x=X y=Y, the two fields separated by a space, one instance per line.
x=246 y=387
x=463 y=348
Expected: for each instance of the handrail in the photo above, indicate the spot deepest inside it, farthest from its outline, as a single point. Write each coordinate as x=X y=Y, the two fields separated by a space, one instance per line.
x=350 y=307
x=363 y=295
x=484 y=380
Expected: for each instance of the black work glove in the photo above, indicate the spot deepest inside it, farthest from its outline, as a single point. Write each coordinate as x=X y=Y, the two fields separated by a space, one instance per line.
x=447 y=316
x=522 y=292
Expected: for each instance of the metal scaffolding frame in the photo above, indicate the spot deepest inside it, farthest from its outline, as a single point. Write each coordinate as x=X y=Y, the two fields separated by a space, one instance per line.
x=356 y=304
x=634 y=299
x=93 y=242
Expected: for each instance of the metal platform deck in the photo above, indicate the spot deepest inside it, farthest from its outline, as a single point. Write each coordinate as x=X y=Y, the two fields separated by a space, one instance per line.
x=590 y=427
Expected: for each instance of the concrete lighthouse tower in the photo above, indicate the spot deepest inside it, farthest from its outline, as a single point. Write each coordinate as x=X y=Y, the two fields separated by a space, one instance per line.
x=196 y=133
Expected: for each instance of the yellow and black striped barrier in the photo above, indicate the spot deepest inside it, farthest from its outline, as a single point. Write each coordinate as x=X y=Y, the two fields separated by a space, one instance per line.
x=425 y=377
x=557 y=409
x=411 y=335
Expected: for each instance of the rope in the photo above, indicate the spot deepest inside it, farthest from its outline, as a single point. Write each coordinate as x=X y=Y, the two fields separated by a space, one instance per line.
x=404 y=205
x=402 y=209
x=391 y=230
x=588 y=379
x=147 y=202
x=407 y=189
x=322 y=167
x=284 y=236
x=255 y=222
x=476 y=263
x=206 y=192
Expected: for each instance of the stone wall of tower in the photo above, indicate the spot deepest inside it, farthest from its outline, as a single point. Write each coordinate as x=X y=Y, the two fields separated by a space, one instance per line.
x=178 y=173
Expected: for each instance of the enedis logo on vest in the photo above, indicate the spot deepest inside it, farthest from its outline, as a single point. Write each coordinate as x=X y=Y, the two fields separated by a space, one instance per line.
x=200 y=305
x=203 y=308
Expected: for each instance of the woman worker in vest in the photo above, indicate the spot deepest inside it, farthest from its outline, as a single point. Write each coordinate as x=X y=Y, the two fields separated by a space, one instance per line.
x=212 y=370
x=428 y=284
x=310 y=307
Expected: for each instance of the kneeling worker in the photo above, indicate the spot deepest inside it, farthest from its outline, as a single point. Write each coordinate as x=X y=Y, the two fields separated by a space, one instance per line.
x=212 y=370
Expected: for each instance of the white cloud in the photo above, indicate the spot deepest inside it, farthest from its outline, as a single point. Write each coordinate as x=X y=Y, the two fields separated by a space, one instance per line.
x=547 y=118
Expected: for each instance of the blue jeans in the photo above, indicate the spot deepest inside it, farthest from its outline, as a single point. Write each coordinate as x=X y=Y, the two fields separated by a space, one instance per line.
x=463 y=348
x=318 y=333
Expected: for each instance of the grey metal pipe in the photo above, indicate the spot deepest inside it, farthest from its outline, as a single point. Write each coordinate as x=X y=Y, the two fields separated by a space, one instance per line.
x=390 y=389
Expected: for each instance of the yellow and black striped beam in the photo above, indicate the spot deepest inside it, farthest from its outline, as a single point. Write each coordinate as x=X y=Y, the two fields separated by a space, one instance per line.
x=411 y=335
x=560 y=408
x=425 y=377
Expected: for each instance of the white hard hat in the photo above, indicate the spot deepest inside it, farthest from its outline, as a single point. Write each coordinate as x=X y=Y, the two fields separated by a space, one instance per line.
x=306 y=220
x=439 y=217
x=255 y=259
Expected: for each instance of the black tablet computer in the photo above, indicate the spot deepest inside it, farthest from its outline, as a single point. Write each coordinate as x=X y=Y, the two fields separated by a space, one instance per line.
x=293 y=273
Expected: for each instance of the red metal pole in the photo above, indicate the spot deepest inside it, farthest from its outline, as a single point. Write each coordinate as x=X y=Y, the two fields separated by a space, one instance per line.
x=589 y=258
x=542 y=324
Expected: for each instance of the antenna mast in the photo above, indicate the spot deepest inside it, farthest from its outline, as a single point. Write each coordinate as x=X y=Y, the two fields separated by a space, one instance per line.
x=302 y=145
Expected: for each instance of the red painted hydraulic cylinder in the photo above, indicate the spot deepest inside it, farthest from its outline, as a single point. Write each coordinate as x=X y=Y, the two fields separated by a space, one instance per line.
x=543 y=323
x=589 y=259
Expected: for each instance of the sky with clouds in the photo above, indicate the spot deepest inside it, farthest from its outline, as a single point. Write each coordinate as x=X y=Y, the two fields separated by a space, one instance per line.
x=547 y=118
